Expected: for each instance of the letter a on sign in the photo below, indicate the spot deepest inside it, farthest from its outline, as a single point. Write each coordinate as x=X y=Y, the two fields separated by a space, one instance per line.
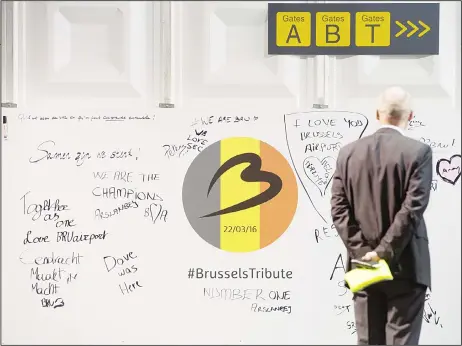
x=293 y=33
x=293 y=29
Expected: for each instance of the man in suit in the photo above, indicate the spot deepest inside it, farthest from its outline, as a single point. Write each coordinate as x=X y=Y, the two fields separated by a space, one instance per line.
x=380 y=191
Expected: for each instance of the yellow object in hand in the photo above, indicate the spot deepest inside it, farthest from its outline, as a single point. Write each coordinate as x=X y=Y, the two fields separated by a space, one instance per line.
x=360 y=278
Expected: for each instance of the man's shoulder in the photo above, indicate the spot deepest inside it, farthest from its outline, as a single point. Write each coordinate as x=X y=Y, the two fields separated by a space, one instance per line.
x=350 y=147
x=414 y=145
x=407 y=144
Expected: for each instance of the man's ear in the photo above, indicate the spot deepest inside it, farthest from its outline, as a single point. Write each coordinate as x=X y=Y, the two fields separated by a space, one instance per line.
x=411 y=115
x=377 y=115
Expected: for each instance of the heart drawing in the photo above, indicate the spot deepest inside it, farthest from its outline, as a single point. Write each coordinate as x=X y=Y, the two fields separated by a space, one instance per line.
x=314 y=139
x=449 y=170
x=319 y=172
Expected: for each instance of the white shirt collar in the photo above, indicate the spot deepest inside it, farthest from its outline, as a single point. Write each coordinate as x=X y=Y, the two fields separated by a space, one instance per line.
x=399 y=129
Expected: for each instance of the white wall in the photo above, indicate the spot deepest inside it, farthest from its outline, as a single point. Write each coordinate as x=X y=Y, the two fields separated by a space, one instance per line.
x=209 y=59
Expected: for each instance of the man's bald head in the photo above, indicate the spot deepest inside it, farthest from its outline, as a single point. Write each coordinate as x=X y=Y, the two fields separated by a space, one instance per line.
x=394 y=107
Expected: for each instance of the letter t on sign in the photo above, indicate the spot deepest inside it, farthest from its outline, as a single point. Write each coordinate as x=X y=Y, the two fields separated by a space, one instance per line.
x=373 y=29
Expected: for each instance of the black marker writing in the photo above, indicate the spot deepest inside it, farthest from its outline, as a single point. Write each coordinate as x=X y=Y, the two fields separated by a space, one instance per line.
x=34 y=239
x=339 y=264
x=205 y=121
x=116 y=211
x=72 y=237
x=437 y=144
x=57 y=303
x=430 y=315
x=325 y=232
x=46 y=154
x=282 y=308
x=319 y=135
x=414 y=124
x=111 y=262
x=80 y=157
x=36 y=210
x=113 y=192
x=342 y=308
x=156 y=212
x=128 y=288
x=351 y=326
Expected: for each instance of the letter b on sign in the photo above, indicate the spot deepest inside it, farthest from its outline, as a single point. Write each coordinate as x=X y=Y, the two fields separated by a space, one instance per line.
x=293 y=29
x=333 y=29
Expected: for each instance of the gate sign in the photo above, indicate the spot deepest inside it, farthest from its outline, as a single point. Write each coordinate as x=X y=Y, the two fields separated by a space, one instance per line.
x=353 y=29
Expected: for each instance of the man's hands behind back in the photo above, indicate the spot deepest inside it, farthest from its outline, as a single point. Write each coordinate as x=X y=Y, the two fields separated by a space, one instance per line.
x=371 y=257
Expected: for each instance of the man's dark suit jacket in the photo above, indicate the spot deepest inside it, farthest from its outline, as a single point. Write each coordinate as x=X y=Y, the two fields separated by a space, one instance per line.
x=380 y=190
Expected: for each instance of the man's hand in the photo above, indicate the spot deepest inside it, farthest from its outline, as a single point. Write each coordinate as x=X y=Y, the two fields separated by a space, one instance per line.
x=371 y=256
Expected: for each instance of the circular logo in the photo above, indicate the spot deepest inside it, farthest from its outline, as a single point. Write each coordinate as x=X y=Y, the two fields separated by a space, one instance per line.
x=240 y=194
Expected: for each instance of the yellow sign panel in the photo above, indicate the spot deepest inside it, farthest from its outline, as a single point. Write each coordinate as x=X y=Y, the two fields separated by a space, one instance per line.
x=293 y=29
x=373 y=29
x=333 y=29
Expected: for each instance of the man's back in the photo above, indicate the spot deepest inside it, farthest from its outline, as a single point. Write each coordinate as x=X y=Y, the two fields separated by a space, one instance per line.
x=376 y=172
x=380 y=191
